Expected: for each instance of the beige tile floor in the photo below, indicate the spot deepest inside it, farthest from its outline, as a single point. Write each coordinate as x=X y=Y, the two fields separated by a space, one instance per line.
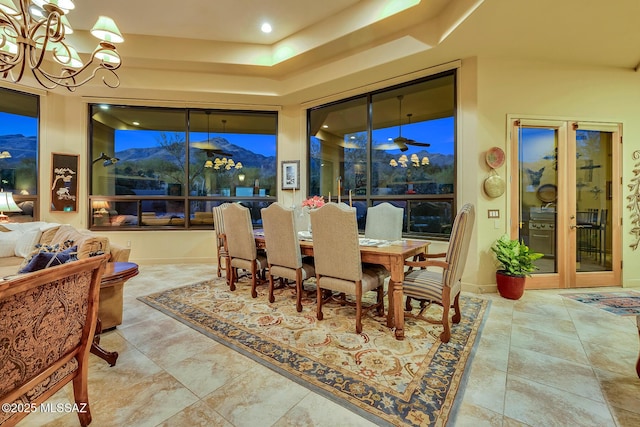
x=544 y=360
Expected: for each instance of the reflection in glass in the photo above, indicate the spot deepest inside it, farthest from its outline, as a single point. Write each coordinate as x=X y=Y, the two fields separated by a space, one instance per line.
x=19 y=151
x=593 y=200
x=538 y=193
x=396 y=144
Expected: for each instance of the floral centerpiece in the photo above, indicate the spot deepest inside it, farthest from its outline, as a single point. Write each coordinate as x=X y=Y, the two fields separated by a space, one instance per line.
x=313 y=202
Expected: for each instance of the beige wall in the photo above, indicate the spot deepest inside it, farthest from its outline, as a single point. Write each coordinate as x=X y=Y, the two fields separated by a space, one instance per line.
x=489 y=90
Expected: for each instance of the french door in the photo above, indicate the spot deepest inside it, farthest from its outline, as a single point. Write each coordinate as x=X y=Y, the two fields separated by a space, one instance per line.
x=565 y=200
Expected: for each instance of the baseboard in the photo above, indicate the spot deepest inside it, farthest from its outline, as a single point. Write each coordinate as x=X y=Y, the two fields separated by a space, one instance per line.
x=479 y=289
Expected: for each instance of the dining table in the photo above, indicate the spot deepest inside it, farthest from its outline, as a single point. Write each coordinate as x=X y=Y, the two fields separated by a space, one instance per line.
x=390 y=255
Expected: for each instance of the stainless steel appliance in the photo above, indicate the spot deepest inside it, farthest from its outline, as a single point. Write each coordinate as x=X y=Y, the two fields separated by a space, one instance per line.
x=542 y=226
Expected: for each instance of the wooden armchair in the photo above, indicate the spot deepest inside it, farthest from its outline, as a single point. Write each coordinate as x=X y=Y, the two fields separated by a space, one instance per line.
x=441 y=287
x=283 y=250
x=338 y=265
x=48 y=320
x=241 y=246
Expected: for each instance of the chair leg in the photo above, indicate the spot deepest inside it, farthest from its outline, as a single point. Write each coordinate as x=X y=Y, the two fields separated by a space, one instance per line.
x=456 y=306
x=298 y=290
x=232 y=273
x=407 y=305
x=219 y=266
x=319 y=314
x=254 y=280
x=81 y=396
x=358 y=307
x=446 y=304
x=380 y=301
x=271 y=286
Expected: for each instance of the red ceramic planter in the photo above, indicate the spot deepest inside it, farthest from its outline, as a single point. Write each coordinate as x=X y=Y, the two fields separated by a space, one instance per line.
x=510 y=287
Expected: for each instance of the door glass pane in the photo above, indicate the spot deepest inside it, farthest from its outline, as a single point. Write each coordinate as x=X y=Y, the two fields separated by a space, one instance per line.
x=593 y=200
x=538 y=193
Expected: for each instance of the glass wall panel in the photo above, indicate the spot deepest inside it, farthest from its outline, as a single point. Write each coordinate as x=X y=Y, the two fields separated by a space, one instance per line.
x=19 y=151
x=338 y=149
x=395 y=145
x=179 y=163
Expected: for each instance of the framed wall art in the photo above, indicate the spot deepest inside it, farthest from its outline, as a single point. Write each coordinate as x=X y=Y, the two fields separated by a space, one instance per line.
x=64 y=182
x=290 y=174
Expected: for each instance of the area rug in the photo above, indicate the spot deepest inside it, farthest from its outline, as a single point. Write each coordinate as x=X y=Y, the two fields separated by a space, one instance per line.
x=390 y=382
x=620 y=303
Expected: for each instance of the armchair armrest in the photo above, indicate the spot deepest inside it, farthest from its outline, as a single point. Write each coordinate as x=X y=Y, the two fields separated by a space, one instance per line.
x=426 y=263
x=119 y=253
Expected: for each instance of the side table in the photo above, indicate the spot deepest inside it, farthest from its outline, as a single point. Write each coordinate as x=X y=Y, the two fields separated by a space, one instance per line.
x=115 y=275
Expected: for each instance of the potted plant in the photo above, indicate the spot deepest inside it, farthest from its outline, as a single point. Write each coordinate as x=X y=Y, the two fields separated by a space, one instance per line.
x=516 y=262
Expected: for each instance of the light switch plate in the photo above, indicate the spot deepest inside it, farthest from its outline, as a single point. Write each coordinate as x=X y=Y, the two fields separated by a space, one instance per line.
x=493 y=213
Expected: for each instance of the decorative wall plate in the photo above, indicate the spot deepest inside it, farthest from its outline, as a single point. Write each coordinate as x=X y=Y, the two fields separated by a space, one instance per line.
x=494 y=186
x=495 y=157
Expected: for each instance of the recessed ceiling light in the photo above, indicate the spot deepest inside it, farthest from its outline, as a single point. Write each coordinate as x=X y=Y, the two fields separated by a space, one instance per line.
x=136 y=123
x=104 y=107
x=325 y=126
x=266 y=27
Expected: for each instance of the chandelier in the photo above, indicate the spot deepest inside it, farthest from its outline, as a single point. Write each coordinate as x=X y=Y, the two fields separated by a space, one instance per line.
x=403 y=161
x=223 y=164
x=33 y=36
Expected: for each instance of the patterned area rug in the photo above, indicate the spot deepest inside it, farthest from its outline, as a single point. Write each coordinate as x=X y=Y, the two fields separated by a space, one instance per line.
x=390 y=382
x=620 y=303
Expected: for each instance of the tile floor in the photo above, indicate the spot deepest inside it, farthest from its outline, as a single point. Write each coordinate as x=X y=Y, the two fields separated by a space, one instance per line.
x=544 y=360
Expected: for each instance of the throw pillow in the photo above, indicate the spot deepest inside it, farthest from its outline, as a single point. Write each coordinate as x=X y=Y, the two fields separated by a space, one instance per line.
x=27 y=243
x=46 y=248
x=8 y=242
x=3 y=228
x=45 y=259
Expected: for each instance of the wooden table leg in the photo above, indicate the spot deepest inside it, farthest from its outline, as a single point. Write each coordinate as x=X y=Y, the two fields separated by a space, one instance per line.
x=397 y=277
x=391 y=321
x=108 y=356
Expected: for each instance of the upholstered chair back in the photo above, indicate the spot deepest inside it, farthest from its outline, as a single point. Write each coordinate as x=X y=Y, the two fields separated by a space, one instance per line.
x=336 y=246
x=218 y=223
x=384 y=221
x=280 y=236
x=459 y=245
x=239 y=232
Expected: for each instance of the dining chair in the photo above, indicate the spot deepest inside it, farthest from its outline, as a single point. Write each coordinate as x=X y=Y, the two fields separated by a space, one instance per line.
x=241 y=246
x=218 y=225
x=283 y=250
x=442 y=286
x=338 y=264
x=384 y=222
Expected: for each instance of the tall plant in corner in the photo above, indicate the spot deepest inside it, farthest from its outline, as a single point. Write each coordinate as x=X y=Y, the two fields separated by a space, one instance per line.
x=515 y=263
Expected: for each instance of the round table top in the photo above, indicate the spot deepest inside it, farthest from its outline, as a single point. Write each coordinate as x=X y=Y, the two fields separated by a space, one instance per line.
x=116 y=272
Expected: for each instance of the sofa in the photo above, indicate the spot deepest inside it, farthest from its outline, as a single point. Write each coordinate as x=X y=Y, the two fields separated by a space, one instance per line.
x=19 y=242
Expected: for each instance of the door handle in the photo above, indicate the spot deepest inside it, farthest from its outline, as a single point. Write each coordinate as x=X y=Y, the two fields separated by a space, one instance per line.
x=572 y=226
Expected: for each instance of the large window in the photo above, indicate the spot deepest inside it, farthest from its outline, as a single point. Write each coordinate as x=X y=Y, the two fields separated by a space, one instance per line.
x=167 y=168
x=19 y=152
x=395 y=145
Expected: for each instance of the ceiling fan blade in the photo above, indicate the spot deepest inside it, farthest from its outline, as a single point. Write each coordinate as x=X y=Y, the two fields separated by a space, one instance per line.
x=416 y=143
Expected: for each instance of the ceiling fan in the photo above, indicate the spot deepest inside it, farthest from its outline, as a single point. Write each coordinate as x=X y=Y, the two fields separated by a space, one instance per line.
x=211 y=149
x=400 y=140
